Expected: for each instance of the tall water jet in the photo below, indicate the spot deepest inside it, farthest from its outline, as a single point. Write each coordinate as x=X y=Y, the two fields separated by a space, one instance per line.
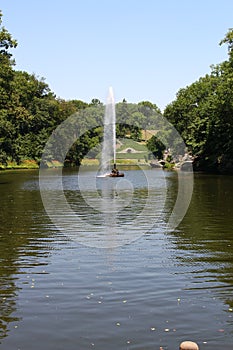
x=109 y=140
x=108 y=157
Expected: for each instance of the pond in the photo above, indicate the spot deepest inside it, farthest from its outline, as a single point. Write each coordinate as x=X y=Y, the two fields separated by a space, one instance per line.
x=99 y=280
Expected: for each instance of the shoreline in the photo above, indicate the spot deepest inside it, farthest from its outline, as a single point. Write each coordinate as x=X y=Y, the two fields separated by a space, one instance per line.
x=33 y=165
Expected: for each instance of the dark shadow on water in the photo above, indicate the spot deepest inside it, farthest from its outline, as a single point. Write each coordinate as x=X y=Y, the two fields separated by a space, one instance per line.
x=204 y=239
x=22 y=244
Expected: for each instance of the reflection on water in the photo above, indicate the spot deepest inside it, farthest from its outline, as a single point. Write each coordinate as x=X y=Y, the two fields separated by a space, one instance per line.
x=205 y=236
x=157 y=291
x=106 y=212
x=22 y=239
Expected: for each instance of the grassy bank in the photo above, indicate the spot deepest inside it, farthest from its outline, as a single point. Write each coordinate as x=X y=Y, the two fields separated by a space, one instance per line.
x=124 y=159
x=26 y=164
x=132 y=161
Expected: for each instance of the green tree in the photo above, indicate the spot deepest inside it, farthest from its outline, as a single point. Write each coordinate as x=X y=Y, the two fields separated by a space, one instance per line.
x=95 y=102
x=156 y=147
x=203 y=115
x=228 y=39
x=6 y=77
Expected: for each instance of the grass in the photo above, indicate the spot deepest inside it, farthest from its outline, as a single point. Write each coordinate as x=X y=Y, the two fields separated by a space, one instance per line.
x=90 y=162
x=129 y=143
x=140 y=156
x=122 y=161
x=29 y=164
x=25 y=164
x=131 y=162
x=131 y=155
x=54 y=164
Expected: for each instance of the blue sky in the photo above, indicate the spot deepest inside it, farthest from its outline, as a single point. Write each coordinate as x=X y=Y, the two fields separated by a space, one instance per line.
x=146 y=50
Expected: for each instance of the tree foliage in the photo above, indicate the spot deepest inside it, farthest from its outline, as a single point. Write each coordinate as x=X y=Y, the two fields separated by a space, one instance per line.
x=156 y=146
x=203 y=115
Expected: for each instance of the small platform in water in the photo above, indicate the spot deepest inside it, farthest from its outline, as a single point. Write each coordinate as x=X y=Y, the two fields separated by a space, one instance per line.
x=112 y=174
x=116 y=175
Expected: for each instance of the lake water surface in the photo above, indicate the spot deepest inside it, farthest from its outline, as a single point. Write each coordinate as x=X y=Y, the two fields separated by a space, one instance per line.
x=59 y=291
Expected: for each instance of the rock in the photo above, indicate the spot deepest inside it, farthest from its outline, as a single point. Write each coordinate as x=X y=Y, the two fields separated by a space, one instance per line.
x=188 y=345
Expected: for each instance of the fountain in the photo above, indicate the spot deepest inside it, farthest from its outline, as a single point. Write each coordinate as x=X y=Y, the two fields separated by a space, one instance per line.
x=109 y=141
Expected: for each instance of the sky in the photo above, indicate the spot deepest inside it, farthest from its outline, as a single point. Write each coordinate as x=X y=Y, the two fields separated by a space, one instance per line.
x=145 y=50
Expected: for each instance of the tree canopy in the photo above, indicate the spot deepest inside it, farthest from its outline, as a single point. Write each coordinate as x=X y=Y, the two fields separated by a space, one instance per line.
x=203 y=115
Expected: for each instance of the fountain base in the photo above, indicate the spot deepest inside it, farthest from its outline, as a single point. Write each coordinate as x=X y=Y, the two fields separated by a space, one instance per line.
x=115 y=172
x=115 y=175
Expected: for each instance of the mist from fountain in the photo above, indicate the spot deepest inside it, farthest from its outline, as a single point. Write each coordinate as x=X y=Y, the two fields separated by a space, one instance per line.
x=109 y=139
